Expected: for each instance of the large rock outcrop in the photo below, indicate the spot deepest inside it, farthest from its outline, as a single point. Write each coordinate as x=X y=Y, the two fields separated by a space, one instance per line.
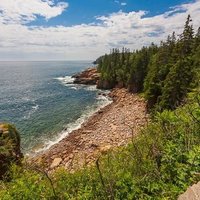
x=9 y=147
x=192 y=193
x=89 y=76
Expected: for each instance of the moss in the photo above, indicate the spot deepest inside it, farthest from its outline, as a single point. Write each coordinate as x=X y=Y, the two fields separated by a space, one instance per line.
x=9 y=147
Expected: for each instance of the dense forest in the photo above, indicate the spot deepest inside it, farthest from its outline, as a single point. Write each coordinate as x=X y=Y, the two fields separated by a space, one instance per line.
x=164 y=159
x=165 y=74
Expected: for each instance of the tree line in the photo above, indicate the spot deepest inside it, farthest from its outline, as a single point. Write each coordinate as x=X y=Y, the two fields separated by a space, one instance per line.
x=164 y=73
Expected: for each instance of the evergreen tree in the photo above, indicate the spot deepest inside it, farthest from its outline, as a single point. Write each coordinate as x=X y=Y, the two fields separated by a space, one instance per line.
x=186 y=39
x=177 y=84
x=165 y=73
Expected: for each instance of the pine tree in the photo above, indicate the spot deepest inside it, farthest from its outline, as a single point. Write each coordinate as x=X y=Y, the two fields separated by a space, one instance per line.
x=177 y=84
x=186 y=38
x=165 y=74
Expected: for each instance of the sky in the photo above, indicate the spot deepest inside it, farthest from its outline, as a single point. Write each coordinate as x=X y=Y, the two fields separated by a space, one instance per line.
x=86 y=29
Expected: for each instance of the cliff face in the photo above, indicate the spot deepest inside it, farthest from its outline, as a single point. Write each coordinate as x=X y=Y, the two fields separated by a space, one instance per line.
x=9 y=147
x=89 y=76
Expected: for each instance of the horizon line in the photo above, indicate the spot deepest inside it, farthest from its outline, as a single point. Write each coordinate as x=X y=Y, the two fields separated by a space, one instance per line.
x=41 y=60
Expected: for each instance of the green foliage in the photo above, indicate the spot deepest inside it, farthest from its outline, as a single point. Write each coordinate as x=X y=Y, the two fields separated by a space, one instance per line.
x=165 y=73
x=159 y=164
x=164 y=159
x=9 y=147
x=177 y=84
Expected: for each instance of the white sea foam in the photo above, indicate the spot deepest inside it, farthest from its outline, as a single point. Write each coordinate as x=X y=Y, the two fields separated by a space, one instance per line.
x=102 y=97
x=102 y=101
x=91 y=88
x=74 y=88
x=81 y=86
x=26 y=99
x=66 y=79
x=33 y=110
x=68 y=82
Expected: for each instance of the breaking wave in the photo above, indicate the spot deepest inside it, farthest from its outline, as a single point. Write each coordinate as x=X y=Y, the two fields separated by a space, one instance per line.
x=102 y=100
x=33 y=110
x=66 y=79
x=68 y=82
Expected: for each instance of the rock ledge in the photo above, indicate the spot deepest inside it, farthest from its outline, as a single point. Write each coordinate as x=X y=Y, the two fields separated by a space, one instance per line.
x=89 y=76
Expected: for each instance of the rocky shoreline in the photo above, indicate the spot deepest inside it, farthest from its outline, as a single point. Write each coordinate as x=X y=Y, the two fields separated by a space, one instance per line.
x=89 y=76
x=112 y=126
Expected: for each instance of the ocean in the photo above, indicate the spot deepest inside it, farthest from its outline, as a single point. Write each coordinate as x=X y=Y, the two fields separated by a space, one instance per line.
x=40 y=99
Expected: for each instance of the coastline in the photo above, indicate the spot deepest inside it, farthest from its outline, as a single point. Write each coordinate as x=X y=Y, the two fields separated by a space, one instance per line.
x=103 y=100
x=112 y=126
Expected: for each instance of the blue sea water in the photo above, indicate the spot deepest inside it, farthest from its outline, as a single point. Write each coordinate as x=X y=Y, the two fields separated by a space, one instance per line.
x=41 y=101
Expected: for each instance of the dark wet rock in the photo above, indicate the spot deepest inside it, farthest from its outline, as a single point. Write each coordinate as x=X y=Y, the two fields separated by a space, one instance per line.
x=104 y=84
x=102 y=94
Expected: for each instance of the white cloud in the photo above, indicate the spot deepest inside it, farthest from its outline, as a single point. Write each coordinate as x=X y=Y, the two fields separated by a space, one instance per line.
x=23 y=11
x=88 y=41
x=123 y=4
x=120 y=3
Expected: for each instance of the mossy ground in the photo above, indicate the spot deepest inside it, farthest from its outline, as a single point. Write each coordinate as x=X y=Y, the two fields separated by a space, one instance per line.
x=9 y=147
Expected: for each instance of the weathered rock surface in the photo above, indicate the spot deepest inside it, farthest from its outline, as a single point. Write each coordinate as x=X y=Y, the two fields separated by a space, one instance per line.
x=192 y=193
x=89 y=76
x=9 y=147
x=105 y=130
x=56 y=162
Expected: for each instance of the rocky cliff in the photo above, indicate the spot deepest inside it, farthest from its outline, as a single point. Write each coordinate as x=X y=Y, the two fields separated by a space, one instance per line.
x=9 y=147
x=89 y=76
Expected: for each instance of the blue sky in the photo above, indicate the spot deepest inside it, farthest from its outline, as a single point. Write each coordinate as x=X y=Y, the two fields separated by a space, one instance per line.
x=85 y=11
x=85 y=29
